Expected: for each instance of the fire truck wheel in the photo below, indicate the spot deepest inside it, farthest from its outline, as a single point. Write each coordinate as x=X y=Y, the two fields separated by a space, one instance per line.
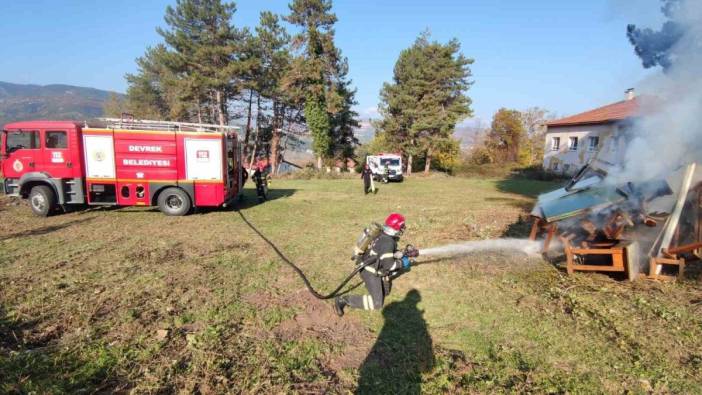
x=42 y=200
x=174 y=201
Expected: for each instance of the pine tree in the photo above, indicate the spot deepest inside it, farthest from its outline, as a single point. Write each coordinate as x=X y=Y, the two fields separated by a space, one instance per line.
x=343 y=125
x=114 y=106
x=203 y=49
x=317 y=72
x=426 y=99
x=153 y=92
x=274 y=58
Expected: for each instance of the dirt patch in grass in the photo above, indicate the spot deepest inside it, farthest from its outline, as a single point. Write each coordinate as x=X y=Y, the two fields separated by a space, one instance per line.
x=312 y=318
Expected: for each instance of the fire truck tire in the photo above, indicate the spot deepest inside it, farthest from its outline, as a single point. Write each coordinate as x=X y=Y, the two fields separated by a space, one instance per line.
x=42 y=200
x=174 y=201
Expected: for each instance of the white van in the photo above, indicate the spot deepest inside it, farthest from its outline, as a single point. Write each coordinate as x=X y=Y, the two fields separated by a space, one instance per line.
x=385 y=167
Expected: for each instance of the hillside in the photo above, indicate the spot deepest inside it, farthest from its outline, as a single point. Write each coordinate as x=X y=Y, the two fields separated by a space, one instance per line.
x=23 y=102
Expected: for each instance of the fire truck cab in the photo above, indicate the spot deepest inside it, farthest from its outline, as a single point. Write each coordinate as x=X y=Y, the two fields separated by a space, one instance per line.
x=175 y=166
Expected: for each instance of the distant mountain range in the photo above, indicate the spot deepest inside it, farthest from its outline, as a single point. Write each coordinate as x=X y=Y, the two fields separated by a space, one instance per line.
x=468 y=134
x=20 y=102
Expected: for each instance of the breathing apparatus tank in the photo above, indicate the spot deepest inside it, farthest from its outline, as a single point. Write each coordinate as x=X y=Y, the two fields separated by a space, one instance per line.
x=369 y=234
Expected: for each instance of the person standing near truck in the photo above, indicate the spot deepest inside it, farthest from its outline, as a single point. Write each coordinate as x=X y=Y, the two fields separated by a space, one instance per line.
x=366 y=175
x=261 y=181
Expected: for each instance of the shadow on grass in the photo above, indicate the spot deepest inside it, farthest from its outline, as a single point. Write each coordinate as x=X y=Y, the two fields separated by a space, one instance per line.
x=526 y=187
x=46 y=229
x=520 y=229
x=524 y=205
x=31 y=361
x=403 y=351
x=249 y=199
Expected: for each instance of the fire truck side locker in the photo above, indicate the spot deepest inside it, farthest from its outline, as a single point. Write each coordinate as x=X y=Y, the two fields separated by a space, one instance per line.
x=100 y=173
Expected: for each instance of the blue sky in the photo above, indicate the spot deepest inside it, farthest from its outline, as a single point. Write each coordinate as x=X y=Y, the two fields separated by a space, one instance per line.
x=564 y=55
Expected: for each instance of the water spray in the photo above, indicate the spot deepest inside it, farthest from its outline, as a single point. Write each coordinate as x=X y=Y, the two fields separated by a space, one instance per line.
x=525 y=246
x=519 y=245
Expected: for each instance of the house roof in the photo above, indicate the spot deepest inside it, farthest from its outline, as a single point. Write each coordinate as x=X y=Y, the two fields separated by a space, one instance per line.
x=610 y=113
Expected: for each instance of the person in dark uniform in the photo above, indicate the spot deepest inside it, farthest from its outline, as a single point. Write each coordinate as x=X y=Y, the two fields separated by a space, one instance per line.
x=389 y=263
x=260 y=180
x=366 y=175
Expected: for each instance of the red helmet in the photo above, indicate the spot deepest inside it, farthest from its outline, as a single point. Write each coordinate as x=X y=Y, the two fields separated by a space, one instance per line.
x=395 y=222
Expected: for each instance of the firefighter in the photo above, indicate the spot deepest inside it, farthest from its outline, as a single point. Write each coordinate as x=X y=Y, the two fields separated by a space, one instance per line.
x=366 y=175
x=388 y=264
x=260 y=179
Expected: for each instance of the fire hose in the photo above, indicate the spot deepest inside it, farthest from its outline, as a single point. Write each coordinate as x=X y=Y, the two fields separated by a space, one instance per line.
x=409 y=250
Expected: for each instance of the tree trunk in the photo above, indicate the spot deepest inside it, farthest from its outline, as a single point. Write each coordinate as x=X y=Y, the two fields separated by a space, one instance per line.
x=253 y=152
x=409 y=164
x=199 y=111
x=427 y=163
x=258 y=128
x=248 y=125
x=275 y=139
x=221 y=107
x=212 y=109
x=319 y=162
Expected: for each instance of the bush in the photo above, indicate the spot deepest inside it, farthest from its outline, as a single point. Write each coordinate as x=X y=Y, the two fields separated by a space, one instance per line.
x=448 y=156
x=503 y=170
x=480 y=156
x=314 y=174
x=537 y=172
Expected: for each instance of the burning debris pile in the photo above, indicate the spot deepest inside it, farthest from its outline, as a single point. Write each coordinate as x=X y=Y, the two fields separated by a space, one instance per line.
x=645 y=209
x=624 y=228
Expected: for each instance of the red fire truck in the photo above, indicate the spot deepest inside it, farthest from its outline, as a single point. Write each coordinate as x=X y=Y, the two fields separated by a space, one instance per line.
x=121 y=162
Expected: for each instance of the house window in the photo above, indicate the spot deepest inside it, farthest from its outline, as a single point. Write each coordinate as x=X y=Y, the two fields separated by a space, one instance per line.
x=573 y=143
x=555 y=143
x=594 y=143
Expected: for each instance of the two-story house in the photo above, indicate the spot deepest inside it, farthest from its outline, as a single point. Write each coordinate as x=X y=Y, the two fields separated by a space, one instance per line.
x=572 y=141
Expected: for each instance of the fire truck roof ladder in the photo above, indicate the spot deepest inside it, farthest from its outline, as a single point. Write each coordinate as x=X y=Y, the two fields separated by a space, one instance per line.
x=143 y=124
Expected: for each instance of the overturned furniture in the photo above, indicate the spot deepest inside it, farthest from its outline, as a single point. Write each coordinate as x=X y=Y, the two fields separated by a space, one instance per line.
x=619 y=256
x=609 y=228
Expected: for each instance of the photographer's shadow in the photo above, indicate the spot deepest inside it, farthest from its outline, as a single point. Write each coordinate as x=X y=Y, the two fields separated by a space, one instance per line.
x=403 y=351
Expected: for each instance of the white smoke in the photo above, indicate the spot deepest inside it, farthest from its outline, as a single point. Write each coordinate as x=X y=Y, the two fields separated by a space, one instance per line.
x=518 y=245
x=668 y=133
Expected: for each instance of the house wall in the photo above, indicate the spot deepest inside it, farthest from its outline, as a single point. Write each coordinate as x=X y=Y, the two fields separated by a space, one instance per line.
x=567 y=162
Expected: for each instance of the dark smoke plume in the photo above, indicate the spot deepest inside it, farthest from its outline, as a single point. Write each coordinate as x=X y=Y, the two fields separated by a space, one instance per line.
x=655 y=48
x=667 y=133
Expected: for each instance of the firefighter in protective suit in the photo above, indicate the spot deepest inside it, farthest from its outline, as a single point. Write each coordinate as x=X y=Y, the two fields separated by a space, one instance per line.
x=387 y=264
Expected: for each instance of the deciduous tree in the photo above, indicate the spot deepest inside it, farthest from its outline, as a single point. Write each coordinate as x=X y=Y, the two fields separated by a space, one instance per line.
x=506 y=135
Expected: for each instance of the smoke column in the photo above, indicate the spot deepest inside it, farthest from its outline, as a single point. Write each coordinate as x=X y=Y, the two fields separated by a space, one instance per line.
x=519 y=245
x=668 y=133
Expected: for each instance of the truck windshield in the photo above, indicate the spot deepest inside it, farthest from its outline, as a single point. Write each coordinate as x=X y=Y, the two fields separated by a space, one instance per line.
x=390 y=162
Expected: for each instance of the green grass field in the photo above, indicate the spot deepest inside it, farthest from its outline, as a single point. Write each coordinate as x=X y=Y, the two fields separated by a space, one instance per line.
x=130 y=300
